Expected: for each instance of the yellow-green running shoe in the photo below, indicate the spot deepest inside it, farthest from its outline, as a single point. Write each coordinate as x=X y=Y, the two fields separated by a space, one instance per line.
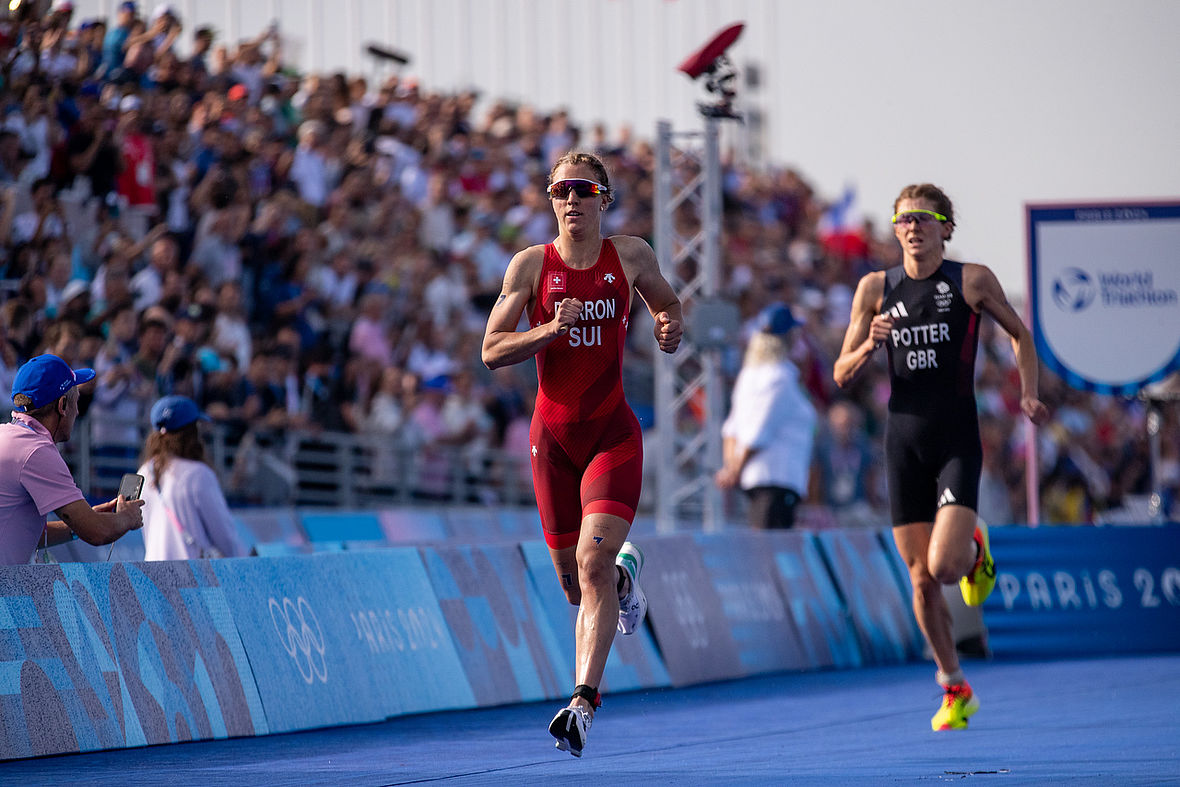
x=980 y=580
x=958 y=704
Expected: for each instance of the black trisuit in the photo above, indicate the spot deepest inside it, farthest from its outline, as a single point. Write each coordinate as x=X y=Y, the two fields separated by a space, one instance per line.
x=932 y=449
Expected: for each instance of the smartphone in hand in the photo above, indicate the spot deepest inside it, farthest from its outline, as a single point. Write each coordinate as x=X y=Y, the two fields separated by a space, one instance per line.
x=131 y=486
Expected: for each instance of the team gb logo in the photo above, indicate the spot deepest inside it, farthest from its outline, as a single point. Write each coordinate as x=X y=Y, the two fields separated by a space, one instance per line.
x=943 y=296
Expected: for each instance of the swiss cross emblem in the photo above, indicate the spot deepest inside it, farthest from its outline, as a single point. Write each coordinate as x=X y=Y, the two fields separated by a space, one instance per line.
x=557 y=281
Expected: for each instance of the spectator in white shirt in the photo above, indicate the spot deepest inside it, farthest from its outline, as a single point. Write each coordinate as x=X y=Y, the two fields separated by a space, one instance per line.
x=767 y=438
x=186 y=516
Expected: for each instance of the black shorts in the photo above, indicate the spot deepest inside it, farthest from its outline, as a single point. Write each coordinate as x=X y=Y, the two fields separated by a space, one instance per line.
x=772 y=507
x=931 y=462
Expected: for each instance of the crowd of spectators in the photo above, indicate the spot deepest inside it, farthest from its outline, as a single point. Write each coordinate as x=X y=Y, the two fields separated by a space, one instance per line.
x=319 y=252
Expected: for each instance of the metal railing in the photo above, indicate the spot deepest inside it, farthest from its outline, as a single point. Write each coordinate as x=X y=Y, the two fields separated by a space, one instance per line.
x=314 y=468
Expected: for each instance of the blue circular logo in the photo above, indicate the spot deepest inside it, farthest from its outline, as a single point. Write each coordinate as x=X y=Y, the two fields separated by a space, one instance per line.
x=1074 y=290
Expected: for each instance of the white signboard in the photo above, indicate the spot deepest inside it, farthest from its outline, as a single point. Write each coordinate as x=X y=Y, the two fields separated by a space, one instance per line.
x=1105 y=287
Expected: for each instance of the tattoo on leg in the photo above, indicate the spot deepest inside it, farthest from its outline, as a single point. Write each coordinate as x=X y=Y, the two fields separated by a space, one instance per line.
x=600 y=535
x=567 y=581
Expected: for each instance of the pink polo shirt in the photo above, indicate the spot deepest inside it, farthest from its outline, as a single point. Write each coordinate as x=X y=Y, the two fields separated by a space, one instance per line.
x=34 y=480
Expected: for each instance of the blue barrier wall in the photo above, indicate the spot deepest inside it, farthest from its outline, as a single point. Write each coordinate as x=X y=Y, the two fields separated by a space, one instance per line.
x=340 y=526
x=110 y=655
x=687 y=614
x=880 y=613
x=634 y=661
x=344 y=638
x=104 y=655
x=505 y=645
x=743 y=572
x=1085 y=590
x=819 y=613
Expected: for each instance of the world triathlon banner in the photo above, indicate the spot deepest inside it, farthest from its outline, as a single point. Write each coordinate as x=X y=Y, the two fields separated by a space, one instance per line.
x=1105 y=289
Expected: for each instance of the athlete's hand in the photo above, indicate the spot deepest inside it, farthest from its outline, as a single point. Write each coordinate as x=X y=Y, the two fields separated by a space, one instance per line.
x=566 y=314
x=668 y=332
x=879 y=329
x=1035 y=409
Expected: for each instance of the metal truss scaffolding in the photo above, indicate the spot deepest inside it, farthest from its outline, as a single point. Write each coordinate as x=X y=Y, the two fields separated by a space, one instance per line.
x=688 y=394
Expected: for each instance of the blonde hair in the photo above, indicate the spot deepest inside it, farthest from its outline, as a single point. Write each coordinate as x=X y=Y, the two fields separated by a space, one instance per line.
x=766 y=348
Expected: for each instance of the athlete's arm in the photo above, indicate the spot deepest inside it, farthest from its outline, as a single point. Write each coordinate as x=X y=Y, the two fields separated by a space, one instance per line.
x=866 y=329
x=657 y=293
x=983 y=291
x=503 y=345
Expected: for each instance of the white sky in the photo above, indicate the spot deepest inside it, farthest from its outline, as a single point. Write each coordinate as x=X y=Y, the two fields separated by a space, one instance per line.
x=1000 y=103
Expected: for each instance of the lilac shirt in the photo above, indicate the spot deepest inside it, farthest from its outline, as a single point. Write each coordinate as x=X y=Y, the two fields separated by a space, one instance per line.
x=34 y=480
x=186 y=517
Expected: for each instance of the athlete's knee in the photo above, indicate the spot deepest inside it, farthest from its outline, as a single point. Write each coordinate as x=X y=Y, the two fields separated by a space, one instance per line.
x=573 y=595
x=925 y=587
x=596 y=570
x=944 y=570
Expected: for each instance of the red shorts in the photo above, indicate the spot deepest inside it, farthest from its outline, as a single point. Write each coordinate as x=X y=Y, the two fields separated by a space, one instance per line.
x=590 y=467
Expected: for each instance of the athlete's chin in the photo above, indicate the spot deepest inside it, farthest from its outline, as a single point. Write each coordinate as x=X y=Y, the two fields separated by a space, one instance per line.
x=578 y=226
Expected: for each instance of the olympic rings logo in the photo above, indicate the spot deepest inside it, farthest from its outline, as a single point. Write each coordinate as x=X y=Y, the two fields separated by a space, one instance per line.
x=303 y=639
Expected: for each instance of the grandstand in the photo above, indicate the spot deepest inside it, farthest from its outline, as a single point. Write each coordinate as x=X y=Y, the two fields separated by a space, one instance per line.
x=313 y=251
x=311 y=257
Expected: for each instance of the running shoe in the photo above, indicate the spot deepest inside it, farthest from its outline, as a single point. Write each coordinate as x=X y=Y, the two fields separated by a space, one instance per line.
x=958 y=704
x=570 y=726
x=633 y=606
x=980 y=580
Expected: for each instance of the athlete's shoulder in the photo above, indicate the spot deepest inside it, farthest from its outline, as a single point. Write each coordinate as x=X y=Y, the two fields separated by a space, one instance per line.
x=974 y=274
x=979 y=284
x=530 y=258
x=631 y=246
x=531 y=255
x=870 y=291
x=973 y=268
x=525 y=267
x=872 y=283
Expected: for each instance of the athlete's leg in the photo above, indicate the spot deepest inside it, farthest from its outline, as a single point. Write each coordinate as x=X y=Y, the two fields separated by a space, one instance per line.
x=601 y=539
x=565 y=563
x=914 y=544
x=952 y=548
x=557 y=486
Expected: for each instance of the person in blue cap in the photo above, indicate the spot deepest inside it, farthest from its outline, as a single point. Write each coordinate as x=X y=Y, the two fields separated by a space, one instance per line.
x=186 y=516
x=767 y=437
x=34 y=478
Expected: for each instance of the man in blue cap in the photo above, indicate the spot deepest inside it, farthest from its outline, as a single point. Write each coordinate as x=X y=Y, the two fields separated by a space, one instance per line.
x=35 y=480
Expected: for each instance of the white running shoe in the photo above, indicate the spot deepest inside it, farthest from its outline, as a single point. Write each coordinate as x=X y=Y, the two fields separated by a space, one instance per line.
x=633 y=606
x=570 y=726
